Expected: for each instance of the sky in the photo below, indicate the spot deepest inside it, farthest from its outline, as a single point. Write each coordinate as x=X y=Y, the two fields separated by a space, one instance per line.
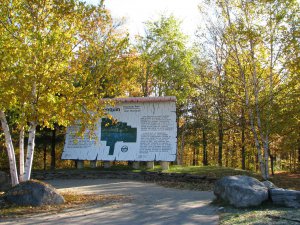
x=138 y=11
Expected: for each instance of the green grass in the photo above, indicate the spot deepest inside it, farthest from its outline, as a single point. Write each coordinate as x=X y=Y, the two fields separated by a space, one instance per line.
x=263 y=215
x=283 y=179
x=211 y=171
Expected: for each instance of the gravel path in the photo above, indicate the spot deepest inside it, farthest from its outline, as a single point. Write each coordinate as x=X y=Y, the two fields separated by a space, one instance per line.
x=150 y=204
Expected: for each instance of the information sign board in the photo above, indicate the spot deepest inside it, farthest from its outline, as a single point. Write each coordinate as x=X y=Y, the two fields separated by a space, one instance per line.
x=142 y=129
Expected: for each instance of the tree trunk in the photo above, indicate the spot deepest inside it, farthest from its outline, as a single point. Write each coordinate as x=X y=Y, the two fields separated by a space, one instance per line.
x=204 y=144
x=146 y=87
x=233 y=155
x=53 y=144
x=243 y=140
x=290 y=161
x=258 y=147
x=220 y=144
x=45 y=157
x=247 y=97
x=21 y=148
x=257 y=163
x=181 y=148
x=194 y=157
x=272 y=164
x=298 y=154
x=10 y=150
x=30 y=151
x=253 y=129
x=180 y=162
x=214 y=153
x=265 y=140
x=226 y=156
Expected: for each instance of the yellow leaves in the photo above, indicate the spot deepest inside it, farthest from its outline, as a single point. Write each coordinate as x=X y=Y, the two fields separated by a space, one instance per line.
x=66 y=49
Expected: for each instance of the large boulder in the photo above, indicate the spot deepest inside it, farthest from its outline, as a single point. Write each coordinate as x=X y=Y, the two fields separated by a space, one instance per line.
x=269 y=184
x=33 y=193
x=5 y=183
x=241 y=191
x=283 y=197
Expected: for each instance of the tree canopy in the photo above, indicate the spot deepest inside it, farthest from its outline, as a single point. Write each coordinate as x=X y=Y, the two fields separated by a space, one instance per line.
x=237 y=86
x=51 y=52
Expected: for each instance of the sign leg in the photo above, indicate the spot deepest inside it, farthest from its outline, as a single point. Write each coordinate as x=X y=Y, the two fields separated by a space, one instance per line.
x=136 y=165
x=93 y=163
x=106 y=164
x=150 y=165
x=80 y=164
x=164 y=165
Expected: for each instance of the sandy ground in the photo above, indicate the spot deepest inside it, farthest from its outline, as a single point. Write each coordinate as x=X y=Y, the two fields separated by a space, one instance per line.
x=150 y=204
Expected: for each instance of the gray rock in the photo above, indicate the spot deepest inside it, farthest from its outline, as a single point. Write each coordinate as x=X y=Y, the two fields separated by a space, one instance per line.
x=5 y=183
x=269 y=184
x=241 y=191
x=34 y=193
x=287 y=198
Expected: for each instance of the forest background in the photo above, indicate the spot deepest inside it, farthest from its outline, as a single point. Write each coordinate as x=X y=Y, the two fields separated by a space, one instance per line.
x=237 y=86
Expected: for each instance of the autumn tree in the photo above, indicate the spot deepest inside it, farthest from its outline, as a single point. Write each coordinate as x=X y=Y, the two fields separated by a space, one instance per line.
x=165 y=62
x=45 y=47
x=248 y=41
x=167 y=59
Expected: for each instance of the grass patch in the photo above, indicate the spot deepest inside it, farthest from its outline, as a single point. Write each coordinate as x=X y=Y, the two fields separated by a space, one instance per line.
x=282 y=179
x=263 y=215
x=211 y=171
x=72 y=200
x=215 y=172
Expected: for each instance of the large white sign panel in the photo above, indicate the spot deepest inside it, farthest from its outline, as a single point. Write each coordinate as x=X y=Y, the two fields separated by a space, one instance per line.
x=139 y=131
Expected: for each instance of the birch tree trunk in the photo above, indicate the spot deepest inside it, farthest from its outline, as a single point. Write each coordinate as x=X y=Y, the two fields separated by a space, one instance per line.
x=265 y=144
x=10 y=150
x=250 y=112
x=30 y=151
x=21 y=149
x=243 y=139
x=247 y=97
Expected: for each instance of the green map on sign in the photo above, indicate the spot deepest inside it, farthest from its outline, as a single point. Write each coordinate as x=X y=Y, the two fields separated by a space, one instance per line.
x=112 y=132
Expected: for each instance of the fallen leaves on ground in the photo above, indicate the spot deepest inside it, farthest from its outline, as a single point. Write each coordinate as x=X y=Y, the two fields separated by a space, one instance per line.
x=72 y=200
x=287 y=180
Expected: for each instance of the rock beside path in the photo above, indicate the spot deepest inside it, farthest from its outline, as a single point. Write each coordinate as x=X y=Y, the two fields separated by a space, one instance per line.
x=241 y=191
x=33 y=193
x=269 y=184
x=283 y=197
